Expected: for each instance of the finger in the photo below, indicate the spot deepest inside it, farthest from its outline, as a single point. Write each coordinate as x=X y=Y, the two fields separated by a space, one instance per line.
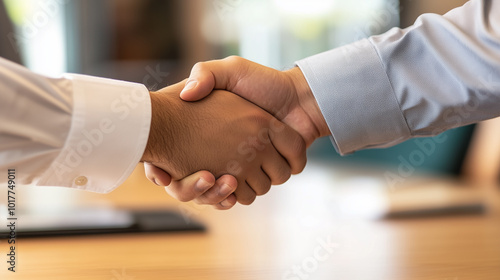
x=291 y=146
x=227 y=203
x=200 y=83
x=210 y=75
x=157 y=175
x=277 y=168
x=244 y=193
x=191 y=187
x=260 y=182
x=224 y=187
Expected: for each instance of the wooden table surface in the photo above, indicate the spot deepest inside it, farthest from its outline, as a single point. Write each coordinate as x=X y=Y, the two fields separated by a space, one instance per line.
x=295 y=232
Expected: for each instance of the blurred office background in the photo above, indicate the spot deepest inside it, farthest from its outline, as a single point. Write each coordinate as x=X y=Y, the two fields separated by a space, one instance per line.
x=156 y=42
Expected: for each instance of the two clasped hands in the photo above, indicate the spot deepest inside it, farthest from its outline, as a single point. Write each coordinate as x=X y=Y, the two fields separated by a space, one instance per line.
x=248 y=130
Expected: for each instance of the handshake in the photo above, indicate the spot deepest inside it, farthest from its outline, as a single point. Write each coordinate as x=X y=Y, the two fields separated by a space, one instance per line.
x=248 y=130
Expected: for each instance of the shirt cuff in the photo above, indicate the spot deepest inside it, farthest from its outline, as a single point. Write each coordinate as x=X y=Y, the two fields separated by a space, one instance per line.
x=355 y=97
x=109 y=132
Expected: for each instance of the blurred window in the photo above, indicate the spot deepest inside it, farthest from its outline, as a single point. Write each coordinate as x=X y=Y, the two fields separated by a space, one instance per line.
x=276 y=33
x=39 y=34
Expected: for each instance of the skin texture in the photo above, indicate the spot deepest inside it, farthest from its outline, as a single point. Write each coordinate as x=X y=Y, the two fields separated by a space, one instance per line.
x=286 y=95
x=222 y=134
x=200 y=187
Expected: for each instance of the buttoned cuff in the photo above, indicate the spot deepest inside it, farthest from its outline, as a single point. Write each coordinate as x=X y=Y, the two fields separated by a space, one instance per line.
x=355 y=97
x=109 y=132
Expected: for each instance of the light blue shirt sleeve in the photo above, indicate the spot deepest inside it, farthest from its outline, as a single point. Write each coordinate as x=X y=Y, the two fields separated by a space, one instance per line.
x=443 y=72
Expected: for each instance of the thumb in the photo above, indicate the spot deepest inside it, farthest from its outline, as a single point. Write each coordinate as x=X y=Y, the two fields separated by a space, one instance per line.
x=201 y=82
x=157 y=175
x=214 y=74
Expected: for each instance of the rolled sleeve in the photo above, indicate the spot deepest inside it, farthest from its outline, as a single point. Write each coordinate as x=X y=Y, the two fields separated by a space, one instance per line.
x=109 y=132
x=355 y=97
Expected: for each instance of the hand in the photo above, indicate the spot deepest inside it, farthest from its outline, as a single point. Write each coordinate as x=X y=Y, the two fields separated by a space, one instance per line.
x=200 y=187
x=286 y=94
x=222 y=134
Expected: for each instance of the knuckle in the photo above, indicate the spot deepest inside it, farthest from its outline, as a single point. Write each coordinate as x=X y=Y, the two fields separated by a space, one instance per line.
x=263 y=189
x=220 y=207
x=210 y=200
x=200 y=68
x=283 y=178
x=183 y=197
x=301 y=166
x=301 y=157
x=202 y=201
x=247 y=200
x=233 y=59
x=199 y=65
x=282 y=175
x=299 y=146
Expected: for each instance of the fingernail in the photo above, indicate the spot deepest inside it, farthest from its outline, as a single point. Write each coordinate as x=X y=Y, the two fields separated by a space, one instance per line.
x=225 y=203
x=225 y=190
x=154 y=181
x=201 y=185
x=189 y=85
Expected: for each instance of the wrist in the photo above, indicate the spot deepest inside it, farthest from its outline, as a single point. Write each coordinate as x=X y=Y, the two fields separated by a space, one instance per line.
x=307 y=101
x=159 y=129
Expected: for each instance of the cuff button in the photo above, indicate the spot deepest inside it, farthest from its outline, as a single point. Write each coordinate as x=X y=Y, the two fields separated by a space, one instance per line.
x=81 y=181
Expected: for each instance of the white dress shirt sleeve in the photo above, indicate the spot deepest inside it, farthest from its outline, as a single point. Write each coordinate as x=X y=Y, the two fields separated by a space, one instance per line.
x=440 y=73
x=75 y=131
